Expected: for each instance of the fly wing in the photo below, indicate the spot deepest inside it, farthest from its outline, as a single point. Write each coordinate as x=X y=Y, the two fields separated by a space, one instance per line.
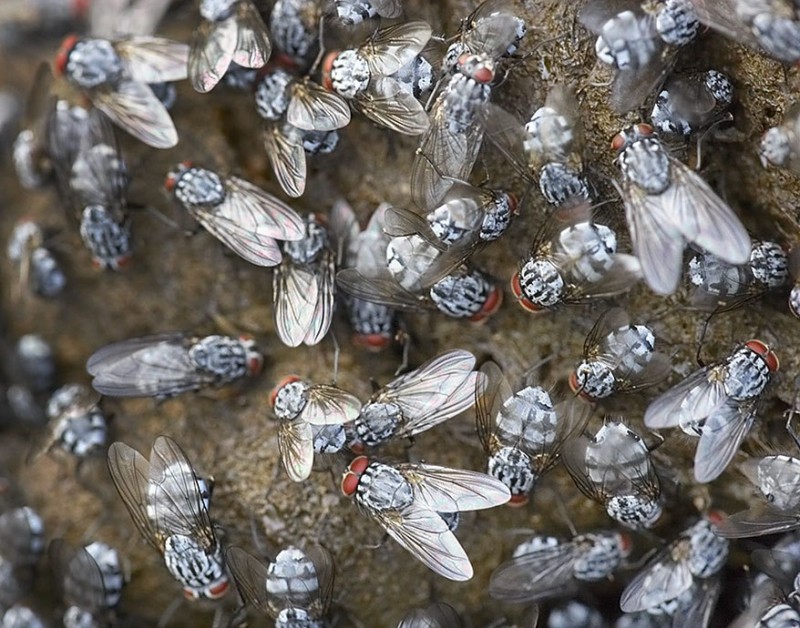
x=329 y=405
x=382 y=289
x=390 y=48
x=491 y=29
x=491 y=392
x=722 y=433
x=137 y=17
x=296 y=446
x=597 y=339
x=387 y=104
x=437 y=615
x=595 y=14
x=704 y=218
x=20 y=541
x=323 y=565
x=260 y=250
x=624 y=273
x=314 y=108
x=150 y=366
x=250 y=575
x=757 y=521
x=210 y=53
x=253 y=47
x=253 y=209
x=535 y=576
x=662 y=580
x=133 y=107
x=154 y=59
x=721 y=15
x=691 y=400
x=424 y=533
x=322 y=315
x=573 y=453
x=295 y=297
x=79 y=576
x=175 y=500
x=698 y=609
x=507 y=134
x=130 y=472
x=631 y=87
x=284 y=146
x=780 y=475
x=453 y=490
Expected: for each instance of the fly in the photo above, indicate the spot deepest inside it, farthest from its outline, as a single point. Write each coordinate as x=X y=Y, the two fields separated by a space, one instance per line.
x=780 y=145
x=39 y=270
x=353 y=12
x=693 y=103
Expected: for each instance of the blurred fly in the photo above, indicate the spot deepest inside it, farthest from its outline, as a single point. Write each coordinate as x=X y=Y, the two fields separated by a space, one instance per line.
x=294 y=26
x=692 y=103
x=39 y=270
x=794 y=272
x=299 y=405
x=437 y=615
x=405 y=499
x=230 y=31
x=30 y=152
x=353 y=12
x=164 y=365
x=718 y=404
x=169 y=505
x=780 y=145
x=363 y=76
x=667 y=205
x=522 y=432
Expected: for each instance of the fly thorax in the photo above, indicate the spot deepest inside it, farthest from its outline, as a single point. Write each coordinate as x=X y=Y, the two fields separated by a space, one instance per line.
x=646 y=163
x=223 y=357
x=709 y=552
x=93 y=63
x=559 y=182
x=217 y=10
x=382 y=487
x=314 y=242
x=108 y=561
x=272 y=95
x=320 y=142
x=192 y=566
x=780 y=616
x=677 y=23
x=716 y=277
x=452 y=519
x=461 y=100
x=595 y=379
x=528 y=417
x=329 y=439
x=497 y=218
x=352 y=12
x=625 y=42
x=292 y=577
x=550 y=134
x=47 y=278
x=107 y=240
x=591 y=247
x=416 y=76
x=448 y=225
x=720 y=87
x=601 y=557
x=296 y=618
x=291 y=33
x=290 y=400
x=769 y=264
x=450 y=59
x=746 y=375
x=198 y=187
x=512 y=467
x=84 y=174
x=778 y=35
x=633 y=347
x=84 y=433
x=782 y=490
x=665 y=119
x=634 y=511
x=776 y=146
x=76 y=617
x=377 y=423
x=369 y=318
x=541 y=283
x=27 y=160
x=349 y=74
x=462 y=296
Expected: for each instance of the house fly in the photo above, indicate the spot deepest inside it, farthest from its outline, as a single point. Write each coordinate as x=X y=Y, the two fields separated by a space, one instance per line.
x=294 y=26
x=718 y=404
x=618 y=357
x=405 y=499
x=780 y=145
x=239 y=214
x=39 y=270
x=549 y=567
x=299 y=405
x=416 y=401
x=164 y=365
x=230 y=31
x=114 y=74
x=353 y=12
x=697 y=553
x=640 y=41
x=692 y=103
x=30 y=151
x=667 y=205
x=169 y=505
x=572 y=259
x=295 y=589
x=614 y=469
x=363 y=76
x=522 y=432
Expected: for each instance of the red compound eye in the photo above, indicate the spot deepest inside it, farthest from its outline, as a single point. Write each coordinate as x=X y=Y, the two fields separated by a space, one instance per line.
x=625 y=543
x=525 y=303
x=254 y=364
x=190 y=594
x=715 y=517
x=517 y=501
x=289 y=379
x=218 y=590
x=372 y=342
x=63 y=53
x=644 y=129
x=327 y=66
x=169 y=182
x=352 y=476
x=762 y=349
x=618 y=142
x=513 y=203
x=575 y=387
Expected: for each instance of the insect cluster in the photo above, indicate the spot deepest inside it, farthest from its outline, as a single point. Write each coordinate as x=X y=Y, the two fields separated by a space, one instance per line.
x=283 y=278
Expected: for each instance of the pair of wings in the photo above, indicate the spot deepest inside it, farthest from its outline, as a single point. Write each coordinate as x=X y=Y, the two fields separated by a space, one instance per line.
x=80 y=577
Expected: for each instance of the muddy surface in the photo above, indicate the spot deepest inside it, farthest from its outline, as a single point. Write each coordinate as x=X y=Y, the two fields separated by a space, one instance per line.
x=178 y=282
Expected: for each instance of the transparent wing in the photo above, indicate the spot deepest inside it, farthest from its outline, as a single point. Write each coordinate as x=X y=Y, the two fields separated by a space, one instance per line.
x=491 y=392
x=322 y=315
x=392 y=47
x=425 y=534
x=721 y=15
x=437 y=615
x=314 y=108
x=284 y=146
x=260 y=250
x=631 y=87
x=20 y=541
x=595 y=14
x=329 y=405
x=662 y=580
x=323 y=565
x=381 y=289
x=387 y=104
x=491 y=28
x=255 y=210
x=175 y=500
x=722 y=433
x=453 y=490
x=596 y=340
x=691 y=400
x=780 y=475
x=149 y=366
x=698 y=609
x=253 y=47
x=295 y=297
x=296 y=446
x=79 y=576
x=507 y=134
x=154 y=59
x=138 y=17
x=573 y=454
x=757 y=521
x=250 y=575
x=211 y=51
x=134 y=108
x=535 y=576
x=130 y=472
x=624 y=273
